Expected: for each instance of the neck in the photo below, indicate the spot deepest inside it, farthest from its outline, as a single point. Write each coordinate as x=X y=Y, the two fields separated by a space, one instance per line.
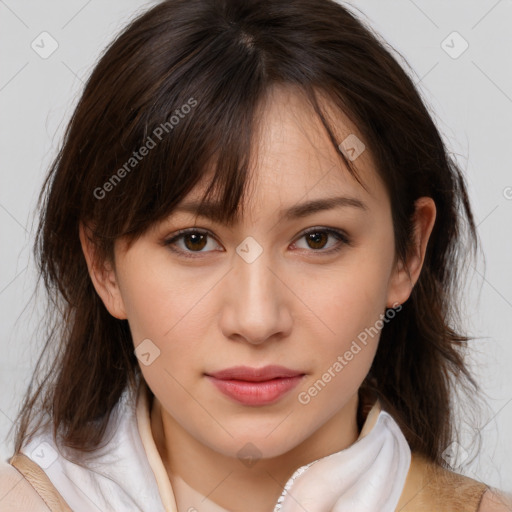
x=202 y=477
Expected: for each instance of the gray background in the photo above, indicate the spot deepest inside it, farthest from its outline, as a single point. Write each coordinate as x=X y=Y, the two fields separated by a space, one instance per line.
x=470 y=93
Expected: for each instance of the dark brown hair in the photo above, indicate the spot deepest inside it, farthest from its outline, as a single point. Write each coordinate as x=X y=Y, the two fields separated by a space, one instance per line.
x=221 y=58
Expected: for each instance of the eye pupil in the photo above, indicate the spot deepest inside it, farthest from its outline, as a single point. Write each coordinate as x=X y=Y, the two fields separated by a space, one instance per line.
x=316 y=237
x=196 y=237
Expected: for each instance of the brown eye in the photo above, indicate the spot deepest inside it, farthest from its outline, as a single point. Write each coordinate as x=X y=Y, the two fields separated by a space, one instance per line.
x=189 y=241
x=318 y=238
x=194 y=241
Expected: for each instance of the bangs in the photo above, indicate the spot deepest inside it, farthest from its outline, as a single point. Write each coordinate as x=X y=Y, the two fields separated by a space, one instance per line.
x=189 y=111
x=175 y=133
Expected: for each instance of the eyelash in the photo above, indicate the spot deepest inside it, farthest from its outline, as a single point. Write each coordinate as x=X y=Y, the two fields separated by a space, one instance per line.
x=340 y=235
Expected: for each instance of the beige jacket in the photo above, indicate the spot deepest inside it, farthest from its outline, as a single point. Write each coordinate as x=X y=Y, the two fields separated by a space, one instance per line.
x=428 y=488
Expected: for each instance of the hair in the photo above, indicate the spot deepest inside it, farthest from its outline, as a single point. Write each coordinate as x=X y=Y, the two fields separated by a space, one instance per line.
x=185 y=80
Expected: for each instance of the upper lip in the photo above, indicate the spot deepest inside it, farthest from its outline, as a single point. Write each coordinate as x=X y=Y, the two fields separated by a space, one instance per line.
x=255 y=374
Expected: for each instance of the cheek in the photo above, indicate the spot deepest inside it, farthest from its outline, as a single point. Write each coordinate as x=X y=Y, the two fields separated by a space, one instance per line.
x=349 y=304
x=156 y=297
x=171 y=308
x=161 y=308
x=351 y=297
x=341 y=356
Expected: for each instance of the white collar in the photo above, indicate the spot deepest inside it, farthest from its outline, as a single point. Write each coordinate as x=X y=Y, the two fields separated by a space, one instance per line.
x=128 y=474
x=368 y=476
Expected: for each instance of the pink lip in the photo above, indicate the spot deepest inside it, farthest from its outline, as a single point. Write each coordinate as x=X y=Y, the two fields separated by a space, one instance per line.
x=255 y=386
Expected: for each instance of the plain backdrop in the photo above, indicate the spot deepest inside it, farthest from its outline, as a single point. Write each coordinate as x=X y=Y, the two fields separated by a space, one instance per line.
x=460 y=57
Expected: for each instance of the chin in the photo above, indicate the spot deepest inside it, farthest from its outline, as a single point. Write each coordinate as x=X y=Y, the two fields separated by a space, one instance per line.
x=249 y=448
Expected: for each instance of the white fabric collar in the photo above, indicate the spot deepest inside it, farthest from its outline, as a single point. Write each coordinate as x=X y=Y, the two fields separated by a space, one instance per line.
x=368 y=476
x=118 y=477
x=128 y=473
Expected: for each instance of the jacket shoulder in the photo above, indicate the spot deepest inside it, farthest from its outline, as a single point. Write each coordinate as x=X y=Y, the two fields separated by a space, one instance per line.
x=494 y=500
x=432 y=488
x=16 y=494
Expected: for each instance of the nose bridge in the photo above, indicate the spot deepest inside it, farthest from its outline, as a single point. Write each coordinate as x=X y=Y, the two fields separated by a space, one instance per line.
x=255 y=300
x=255 y=278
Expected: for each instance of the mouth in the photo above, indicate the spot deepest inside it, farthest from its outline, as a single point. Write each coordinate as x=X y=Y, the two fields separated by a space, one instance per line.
x=255 y=386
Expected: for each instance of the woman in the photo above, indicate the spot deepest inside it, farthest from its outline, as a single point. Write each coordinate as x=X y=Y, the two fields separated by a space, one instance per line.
x=251 y=235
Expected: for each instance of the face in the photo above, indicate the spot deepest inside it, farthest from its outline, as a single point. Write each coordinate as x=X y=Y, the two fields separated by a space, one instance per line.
x=307 y=292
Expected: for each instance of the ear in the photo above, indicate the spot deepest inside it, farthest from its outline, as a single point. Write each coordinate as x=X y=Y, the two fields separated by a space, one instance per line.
x=404 y=277
x=102 y=275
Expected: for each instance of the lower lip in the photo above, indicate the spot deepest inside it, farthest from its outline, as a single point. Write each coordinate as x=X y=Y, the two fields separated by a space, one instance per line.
x=256 y=393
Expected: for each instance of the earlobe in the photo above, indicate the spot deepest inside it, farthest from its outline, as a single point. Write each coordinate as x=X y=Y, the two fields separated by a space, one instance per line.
x=406 y=275
x=102 y=275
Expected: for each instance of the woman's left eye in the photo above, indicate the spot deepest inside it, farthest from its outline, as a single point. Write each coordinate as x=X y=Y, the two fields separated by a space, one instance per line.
x=190 y=241
x=316 y=239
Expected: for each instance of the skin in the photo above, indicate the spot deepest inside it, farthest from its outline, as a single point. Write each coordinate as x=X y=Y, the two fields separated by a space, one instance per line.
x=293 y=305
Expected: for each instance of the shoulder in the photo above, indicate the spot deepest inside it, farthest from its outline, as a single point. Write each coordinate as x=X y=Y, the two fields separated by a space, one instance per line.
x=430 y=487
x=494 y=500
x=16 y=494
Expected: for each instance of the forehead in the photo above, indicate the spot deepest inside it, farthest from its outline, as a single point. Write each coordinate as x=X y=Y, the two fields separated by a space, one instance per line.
x=294 y=146
x=294 y=161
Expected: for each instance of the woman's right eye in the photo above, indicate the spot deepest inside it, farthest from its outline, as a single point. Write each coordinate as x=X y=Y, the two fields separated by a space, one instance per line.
x=191 y=241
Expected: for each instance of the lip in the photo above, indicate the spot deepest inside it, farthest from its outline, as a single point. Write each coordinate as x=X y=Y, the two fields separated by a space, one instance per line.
x=256 y=386
x=250 y=374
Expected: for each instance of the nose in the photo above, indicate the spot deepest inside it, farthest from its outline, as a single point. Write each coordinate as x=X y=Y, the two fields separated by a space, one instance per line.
x=256 y=302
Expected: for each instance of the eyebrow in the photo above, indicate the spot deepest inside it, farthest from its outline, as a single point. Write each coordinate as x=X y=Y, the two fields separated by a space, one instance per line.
x=213 y=211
